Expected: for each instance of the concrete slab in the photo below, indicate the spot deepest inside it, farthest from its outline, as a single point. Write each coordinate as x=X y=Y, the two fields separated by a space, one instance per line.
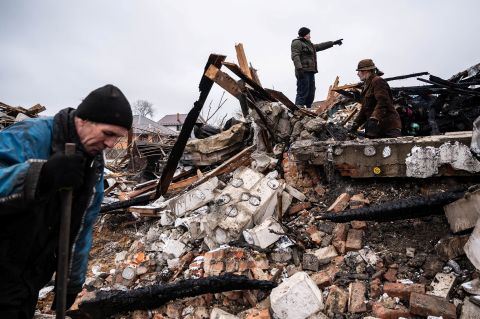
x=298 y=297
x=472 y=247
x=463 y=213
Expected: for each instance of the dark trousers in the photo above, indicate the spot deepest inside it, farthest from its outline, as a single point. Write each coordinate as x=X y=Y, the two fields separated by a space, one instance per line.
x=305 y=89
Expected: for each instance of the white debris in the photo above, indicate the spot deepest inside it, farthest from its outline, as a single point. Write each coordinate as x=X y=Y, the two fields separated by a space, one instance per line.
x=442 y=285
x=296 y=298
x=423 y=162
x=325 y=254
x=218 y=313
x=174 y=247
x=264 y=234
x=472 y=247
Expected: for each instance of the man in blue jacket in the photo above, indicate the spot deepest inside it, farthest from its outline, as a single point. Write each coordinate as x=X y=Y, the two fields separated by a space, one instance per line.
x=33 y=168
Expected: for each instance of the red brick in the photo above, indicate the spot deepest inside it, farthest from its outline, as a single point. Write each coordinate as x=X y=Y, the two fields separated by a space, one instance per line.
x=217 y=254
x=295 y=208
x=260 y=274
x=358 y=201
x=356 y=297
x=340 y=203
x=359 y=224
x=402 y=291
x=214 y=269
x=322 y=279
x=375 y=288
x=386 y=313
x=236 y=253
x=336 y=301
x=174 y=310
x=231 y=265
x=426 y=305
x=243 y=265
x=339 y=237
x=258 y=314
x=354 y=240
x=391 y=274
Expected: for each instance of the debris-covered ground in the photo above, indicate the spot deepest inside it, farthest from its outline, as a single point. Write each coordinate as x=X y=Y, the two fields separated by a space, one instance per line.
x=318 y=222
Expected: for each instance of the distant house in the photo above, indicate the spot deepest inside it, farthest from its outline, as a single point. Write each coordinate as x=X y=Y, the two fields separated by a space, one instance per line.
x=148 y=130
x=175 y=121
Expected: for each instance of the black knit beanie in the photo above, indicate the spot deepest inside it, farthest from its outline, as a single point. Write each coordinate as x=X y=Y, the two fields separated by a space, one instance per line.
x=106 y=105
x=303 y=32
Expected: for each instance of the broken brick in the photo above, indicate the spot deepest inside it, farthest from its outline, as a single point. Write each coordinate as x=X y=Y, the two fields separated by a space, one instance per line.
x=375 y=288
x=336 y=301
x=451 y=247
x=354 y=240
x=340 y=203
x=295 y=208
x=402 y=291
x=356 y=297
x=358 y=201
x=258 y=314
x=383 y=312
x=322 y=279
x=359 y=224
x=391 y=274
x=426 y=305
x=340 y=237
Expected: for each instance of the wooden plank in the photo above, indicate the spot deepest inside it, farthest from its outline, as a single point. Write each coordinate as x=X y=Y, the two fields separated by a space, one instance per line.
x=241 y=159
x=255 y=75
x=348 y=86
x=242 y=60
x=238 y=72
x=223 y=80
x=330 y=100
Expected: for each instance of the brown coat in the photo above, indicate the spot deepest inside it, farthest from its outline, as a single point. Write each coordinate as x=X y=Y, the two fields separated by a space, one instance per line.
x=377 y=102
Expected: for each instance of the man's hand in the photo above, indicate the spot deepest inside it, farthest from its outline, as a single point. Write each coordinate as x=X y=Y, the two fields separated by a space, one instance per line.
x=372 y=128
x=299 y=73
x=62 y=171
x=338 y=42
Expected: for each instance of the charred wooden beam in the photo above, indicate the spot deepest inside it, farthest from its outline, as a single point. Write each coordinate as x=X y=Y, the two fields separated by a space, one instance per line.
x=192 y=116
x=107 y=303
x=238 y=72
x=407 y=76
x=413 y=207
x=177 y=149
x=451 y=88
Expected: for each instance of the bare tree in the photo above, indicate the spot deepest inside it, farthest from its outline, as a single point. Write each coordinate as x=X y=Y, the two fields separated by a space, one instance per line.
x=143 y=107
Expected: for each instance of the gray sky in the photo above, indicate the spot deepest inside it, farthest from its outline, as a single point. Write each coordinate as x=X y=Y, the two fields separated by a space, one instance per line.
x=54 y=52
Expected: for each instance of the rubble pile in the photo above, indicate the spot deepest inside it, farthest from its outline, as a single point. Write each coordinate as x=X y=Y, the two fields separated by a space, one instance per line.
x=10 y=114
x=260 y=203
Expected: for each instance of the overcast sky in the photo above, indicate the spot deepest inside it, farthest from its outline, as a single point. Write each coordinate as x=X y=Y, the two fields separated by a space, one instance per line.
x=54 y=52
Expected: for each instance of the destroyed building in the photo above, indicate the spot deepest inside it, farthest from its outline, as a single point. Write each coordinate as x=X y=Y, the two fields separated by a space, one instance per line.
x=286 y=214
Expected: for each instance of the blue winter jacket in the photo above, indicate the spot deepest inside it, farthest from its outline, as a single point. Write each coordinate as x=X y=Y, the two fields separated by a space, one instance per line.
x=24 y=148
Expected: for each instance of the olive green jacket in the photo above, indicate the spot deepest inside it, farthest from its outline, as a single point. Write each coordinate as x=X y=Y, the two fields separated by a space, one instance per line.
x=304 y=53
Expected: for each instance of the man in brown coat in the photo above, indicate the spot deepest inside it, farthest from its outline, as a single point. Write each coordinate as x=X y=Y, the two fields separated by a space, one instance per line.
x=380 y=117
x=304 y=57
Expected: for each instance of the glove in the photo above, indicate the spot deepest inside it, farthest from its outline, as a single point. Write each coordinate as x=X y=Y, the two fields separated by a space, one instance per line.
x=352 y=127
x=338 y=42
x=299 y=73
x=61 y=171
x=372 y=129
x=69 y=302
